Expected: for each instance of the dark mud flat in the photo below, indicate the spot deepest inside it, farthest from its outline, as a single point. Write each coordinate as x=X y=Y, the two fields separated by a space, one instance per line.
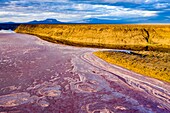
x=40 y=77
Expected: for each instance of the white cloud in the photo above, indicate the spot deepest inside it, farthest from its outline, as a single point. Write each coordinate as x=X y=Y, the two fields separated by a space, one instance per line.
x=67 y=11
x=26 y=1
x=131 y=1
x=117 y=11
x=161 y=5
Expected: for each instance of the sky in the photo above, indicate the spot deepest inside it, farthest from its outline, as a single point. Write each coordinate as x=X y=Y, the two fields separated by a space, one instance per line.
x=129 y=11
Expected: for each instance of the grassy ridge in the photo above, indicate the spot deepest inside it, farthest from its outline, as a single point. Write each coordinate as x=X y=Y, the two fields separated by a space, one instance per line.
x=133 y=37
x=149 y=63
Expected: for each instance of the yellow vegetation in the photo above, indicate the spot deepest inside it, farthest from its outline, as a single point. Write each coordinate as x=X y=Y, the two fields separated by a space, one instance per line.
x=134 y=37
x=153 y=64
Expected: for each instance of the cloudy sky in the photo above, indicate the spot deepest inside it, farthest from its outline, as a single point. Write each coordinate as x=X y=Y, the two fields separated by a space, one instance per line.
x=130 y=11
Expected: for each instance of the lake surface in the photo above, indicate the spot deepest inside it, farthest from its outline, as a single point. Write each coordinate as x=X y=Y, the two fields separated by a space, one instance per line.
x=41 y=77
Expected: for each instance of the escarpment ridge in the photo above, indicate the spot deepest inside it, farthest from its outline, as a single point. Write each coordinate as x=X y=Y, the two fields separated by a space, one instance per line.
x=133 y=37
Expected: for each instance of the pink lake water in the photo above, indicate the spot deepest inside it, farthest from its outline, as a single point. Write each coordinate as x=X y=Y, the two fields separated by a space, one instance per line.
x=41 y=77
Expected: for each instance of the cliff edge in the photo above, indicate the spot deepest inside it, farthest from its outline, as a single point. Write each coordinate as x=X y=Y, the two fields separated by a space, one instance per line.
x=133 y=37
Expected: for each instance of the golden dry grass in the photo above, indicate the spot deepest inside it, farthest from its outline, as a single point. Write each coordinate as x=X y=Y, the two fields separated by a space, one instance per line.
x=149 y=63
x=134 y=37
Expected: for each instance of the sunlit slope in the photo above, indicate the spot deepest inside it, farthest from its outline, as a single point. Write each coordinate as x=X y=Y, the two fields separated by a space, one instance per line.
x=135 y=37
x=149 y=63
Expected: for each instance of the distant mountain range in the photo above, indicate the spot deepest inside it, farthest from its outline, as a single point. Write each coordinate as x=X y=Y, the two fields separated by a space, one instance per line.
x=85 y=21
x=47 y=21
x=13 y=25
x=103 y=21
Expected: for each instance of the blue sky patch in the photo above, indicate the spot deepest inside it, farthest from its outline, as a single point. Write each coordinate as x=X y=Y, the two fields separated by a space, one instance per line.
x=103 y=11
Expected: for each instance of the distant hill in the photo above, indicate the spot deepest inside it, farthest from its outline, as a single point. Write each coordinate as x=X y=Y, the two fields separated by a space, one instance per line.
x=8 y=23
x=85 y=21
x=7 y=26
x=103 y=21
x=47 y=21
x=13 y=25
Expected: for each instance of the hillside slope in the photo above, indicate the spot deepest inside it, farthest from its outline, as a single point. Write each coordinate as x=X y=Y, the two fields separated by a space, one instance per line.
x=150 y=63
x=134 y=37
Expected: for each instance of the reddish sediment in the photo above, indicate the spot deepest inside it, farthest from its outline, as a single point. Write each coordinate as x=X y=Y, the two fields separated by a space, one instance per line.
x=37 y=76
